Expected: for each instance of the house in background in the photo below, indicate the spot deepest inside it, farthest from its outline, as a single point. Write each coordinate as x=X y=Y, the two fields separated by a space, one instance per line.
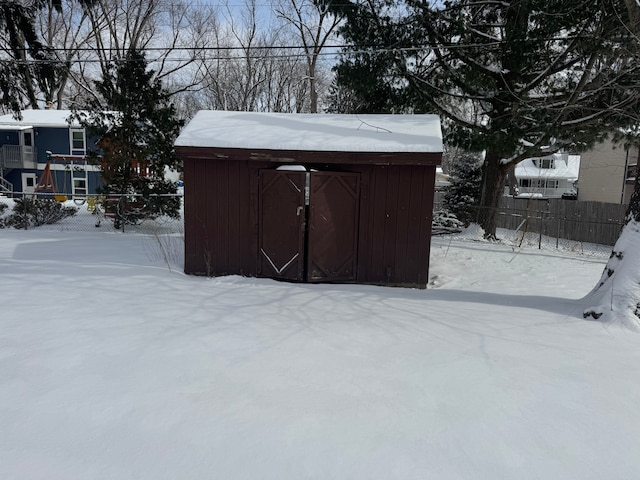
x=552 y=176
x=607 y=173
x=442 y=180
x=42 y=137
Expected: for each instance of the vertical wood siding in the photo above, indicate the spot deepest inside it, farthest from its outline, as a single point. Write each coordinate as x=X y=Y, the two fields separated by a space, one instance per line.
x=220 y=221
x=394 y=225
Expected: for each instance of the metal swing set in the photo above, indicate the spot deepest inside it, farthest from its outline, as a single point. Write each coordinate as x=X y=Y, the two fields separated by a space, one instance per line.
x=46 y=184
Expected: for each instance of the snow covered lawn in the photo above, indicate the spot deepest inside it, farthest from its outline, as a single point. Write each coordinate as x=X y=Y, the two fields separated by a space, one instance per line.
x=115 y=366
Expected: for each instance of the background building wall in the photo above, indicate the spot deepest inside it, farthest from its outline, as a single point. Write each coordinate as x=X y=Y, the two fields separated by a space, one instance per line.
x=603 y=171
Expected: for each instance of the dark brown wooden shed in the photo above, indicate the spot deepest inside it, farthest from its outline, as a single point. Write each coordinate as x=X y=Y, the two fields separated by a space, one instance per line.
x=310 y=197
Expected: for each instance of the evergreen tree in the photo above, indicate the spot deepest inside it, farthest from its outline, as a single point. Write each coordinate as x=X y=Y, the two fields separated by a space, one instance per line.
x=27 y=63
x=137 y=126
x=462 y=195
x=515 y=79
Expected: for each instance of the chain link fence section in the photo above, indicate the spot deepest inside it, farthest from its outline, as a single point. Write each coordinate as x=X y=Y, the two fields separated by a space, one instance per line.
x=123 y=213
x=544 y=227
x=538 y=225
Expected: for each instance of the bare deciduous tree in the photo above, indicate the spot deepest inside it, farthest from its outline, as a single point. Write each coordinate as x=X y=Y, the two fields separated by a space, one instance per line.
x=68 y=35
x=73 y=43
x=252 y=68
x=314 y=25
x=169 y=31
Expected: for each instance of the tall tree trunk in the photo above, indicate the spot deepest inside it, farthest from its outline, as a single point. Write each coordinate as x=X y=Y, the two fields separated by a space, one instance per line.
x=494 y=176
x=512 y=181
x=634 y=16
x=633 y=212
x=313 y=94
x=616 y=297
x=25 y=71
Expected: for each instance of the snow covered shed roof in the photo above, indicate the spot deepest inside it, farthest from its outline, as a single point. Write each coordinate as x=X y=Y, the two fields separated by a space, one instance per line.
x=40 y=118
x=313 y=132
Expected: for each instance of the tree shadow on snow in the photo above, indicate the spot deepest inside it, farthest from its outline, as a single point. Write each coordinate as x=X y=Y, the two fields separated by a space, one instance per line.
x=556 y=305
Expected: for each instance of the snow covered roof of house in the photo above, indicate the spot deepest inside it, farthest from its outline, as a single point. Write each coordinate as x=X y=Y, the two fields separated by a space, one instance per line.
x=565 y=166
x=39 y=118
x=313 y=132
x=15 y=127
x=442 y=179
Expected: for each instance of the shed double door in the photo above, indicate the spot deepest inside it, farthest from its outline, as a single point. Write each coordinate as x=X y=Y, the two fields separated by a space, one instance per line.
x=308 y=225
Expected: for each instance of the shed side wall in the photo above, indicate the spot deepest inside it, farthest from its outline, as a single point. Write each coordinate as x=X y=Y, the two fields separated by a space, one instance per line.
x=602 y=173
x=395 y=225
x=220 y=233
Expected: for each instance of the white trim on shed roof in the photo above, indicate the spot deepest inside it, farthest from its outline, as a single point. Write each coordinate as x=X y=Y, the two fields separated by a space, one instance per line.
x=313 y=132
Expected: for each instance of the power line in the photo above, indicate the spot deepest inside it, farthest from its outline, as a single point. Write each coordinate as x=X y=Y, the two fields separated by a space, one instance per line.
x=158 y=59
x=244 y=5
x=160 y=49
x=250 y=52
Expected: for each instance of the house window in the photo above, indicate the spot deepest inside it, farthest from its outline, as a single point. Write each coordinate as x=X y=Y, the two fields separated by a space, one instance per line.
x=538 y=183
x=78 y=144
x=544 y=163
x=632 y=170
x=79 y=186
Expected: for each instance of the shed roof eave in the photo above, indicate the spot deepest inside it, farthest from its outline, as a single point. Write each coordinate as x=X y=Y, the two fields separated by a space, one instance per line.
x=309 y=156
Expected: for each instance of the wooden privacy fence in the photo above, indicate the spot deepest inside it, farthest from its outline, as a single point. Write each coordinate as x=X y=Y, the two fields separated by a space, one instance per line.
x=590 y=222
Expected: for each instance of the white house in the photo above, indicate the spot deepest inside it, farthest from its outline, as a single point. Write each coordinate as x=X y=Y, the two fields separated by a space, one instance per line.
x=551 y=176
x=442 y=179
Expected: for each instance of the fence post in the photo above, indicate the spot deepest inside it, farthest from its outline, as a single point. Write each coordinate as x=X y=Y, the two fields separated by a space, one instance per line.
x=122 y=211
x=541 y=217
x=25 y=205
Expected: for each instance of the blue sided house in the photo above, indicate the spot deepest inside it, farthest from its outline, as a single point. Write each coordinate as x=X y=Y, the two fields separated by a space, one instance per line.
x=45 y=141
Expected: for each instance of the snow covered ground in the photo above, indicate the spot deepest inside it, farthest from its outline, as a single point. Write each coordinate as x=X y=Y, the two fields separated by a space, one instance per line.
x=115 y=366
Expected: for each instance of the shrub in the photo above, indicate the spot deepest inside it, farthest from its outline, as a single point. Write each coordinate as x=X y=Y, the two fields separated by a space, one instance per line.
x=462 y=196
x=445 y=222
x=28 y=212
x=3 y=208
